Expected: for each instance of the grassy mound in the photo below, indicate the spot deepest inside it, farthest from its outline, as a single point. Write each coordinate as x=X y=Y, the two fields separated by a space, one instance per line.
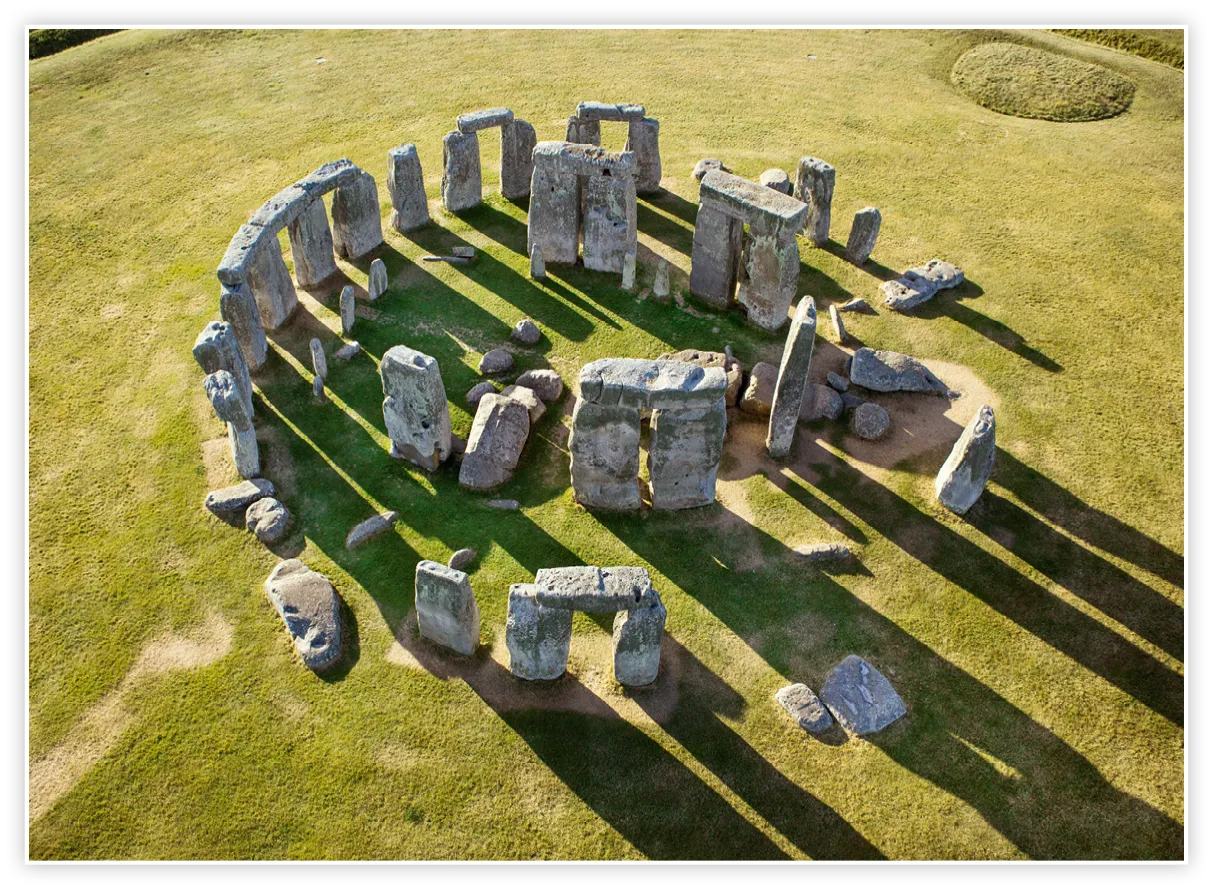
x=1165 y=46
x=1025 y=82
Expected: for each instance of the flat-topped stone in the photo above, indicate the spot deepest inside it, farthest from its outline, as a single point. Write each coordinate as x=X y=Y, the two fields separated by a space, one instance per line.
x=281 y=209
x=804 y=707
x=307 y=603
x=447 y=612
x=472 y=121
x=233 y=268
x=768 y=211
x=583 y=160
x=776 y=179
x=605 y=111
x=594 y=590
x=645 y=383
x=885 y=371
x=859 y=697
x=536 y=636
x=733 y=370
x=237 y=498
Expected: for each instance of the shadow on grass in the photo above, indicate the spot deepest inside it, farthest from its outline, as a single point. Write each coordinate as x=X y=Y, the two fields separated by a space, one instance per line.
x=663 y=229
x=946 y=304
x=873 y=267
x=671 y=203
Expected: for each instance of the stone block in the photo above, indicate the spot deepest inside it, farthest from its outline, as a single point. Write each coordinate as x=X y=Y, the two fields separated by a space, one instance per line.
x=320 y=365
x=348 y=307
x=499 y=433
x=804 y=707
x=308 y=605
x=862 y=239
x=715 y=257
x=793 y=375
x=583 y=132
x=312 y=245
x=415 y=409
x=228 y=402
x=270 y=282
x=517 y=164
x=609 y=221
x=553 y=222
x=770 y=270
x=644 y=383
x=604 y=449
x=685 y=447
x=217 y=349
x=447 y=613
x=605 y=111
x=376 y=285
x=474 y=121
x=765 y=210
x=238 y=308
x=406 y=185
x=643 y=140
x=815 y=187
x=460 y=171
x=357 y=226
x=964 y=475
x=859 y=697
x=536 y=636
x=636 y=643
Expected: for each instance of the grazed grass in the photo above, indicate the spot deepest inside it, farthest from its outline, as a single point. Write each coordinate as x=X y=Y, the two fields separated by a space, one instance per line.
x=1038 y=645
x=1160 y=44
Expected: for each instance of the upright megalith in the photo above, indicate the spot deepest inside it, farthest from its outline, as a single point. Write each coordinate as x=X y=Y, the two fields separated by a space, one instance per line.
x=538 y=269
x=862 y=239
x=217 y=349
x=376 y=285
x=415 y=410
x=716 y=256
x=307 y=603
x=793 y=375
x=447 y=613
x=460 y=171
x=320 y=365
x=661 y=280
x=628 y=279
x=609 y=221
x=406 y=186
x=270 y=281
x=685 y=447
x=770 y=270
x=643 y=140
x=636 y=643
x=964 y=475
x=499 y=433
x=583 y=132
x=228 y=402
x=238 y=308
x=517 y=164
x=348 y=307
x=537 y=636
x=312 y=245
x=357 y=226
x=604 y=446
x=815 y=187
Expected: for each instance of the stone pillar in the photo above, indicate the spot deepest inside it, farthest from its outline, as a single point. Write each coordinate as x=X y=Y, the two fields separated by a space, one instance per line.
x=271 y=283
x=415 y=410
x=357 y=227
x=604 y=445
x=636 y=643
x=628 y=280
x=863 y=235
x=642 y=139
x=517 y=164
x=447 y=613
x=964 y=475
x=348 y=309
x=583 y=132
x=815 y=186
x=715 y=257
x=228 y=403
x=770 y=269
x=217 y=349
x=312 y=245
x=460 y=171
x=685 y=447
x=238 y=308
x=499 y=433
x=320 y=364
x=405 y=184
x=793 y=375
x=609 y=222
x=536 y=636
x=553 y=219
x=538 y=269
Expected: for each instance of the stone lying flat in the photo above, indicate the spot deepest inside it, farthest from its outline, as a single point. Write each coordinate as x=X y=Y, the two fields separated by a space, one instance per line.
x=760 y=390
x=534 y=405
x=605 y=111
x=348 y=351
x=594 y=590
x=544 y=383
x=776 y=179
x=308 y=605
x=583 y=160
x=733 y=370
x=768 y=211
x=495 y=361
x=505 y=504
x=964 y=475
x=370 y=528
x=447 y=612
x=920 y=284
x=238 y=498
x=642 y=383
x=870 y=421
x=267 y=519
x=820 y=403
x=465 y=251
x=840 y=330
x=859 y=697
x=499 y=433
x=883 y=371
x=824 y=552
x=526 y=332
x=473 y=121
x=705 y=166
x=479 y=391
x=858 y=304
x=804 y=707
x=461 y=559
x=837 y=381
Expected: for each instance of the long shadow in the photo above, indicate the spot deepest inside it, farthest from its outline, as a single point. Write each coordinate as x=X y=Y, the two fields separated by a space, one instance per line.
x=825 y=290
x=503 y=228
x=664 y=229
x=673 y=204
x=947 y=305
x=871 y=266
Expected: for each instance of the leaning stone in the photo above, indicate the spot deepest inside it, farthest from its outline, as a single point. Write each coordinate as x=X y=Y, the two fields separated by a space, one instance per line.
x=460 y=171
x=776 y=179
x=859 y=304
x=461 y=559
x=499 y=433
x=964 y=475
x=517 y=159
x=661 y=281
x=377 y=283
x=824 y=552
x=883 y=371
x=320 y=365
x=793 y=375
x=805 y=707
x=217 y=349
x=815 y=186
x=237 y=498
x=643 y=138
x=308 y=606
x=760 y=390
x=840 y=330
x=734 y=372
x=312 y=245
x=495 y=361
x=636 y=643
x=348 y=351
x=546 y=384
x=318 y=393
x=920 y=284
x=685 y=447
x=536 y=636
x=859 y=697
x=820 y=403
x=505 y=504
x=534 y=405
x=238 y=308
x=370 y=528
x=415 y=411
x=270 y=282
x=357 y=227
x=526 y=332
x=477 y=392
x=870 y=421
x=474 y=121
x=538 y=270
x=225 y=398
x=347 y=306
x=628 y=281
x=410 y=208
x=267 y=519
x=863 y=235
x=447 y=613
x=837 y=381
x=706 y=165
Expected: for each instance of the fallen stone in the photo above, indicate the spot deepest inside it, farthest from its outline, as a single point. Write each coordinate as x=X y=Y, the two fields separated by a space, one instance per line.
x=538 y=270
x=883 y=371
x=859 y=697
x=536 y=636
x=481 y=389
x=415 y=410
x=733 y=369
x=707 y=164
x=776 y=179
x=788 y=396
x=461 y=559
x=319 y=396
x=805 y=708
x=237 y=498
x=760 y=390
x=447 y=613
x=377 y=283
x=499 y=433
x=267 y=519
x=820 y=403
x=506 y=504
x=840 y=330
x=870 y=421
x=862 y=240
x=920 y=284
x=534 y=405
x=430 y=258
x=320 y=366
x=815 y=186
x=526 y=332
x=348 y=351
x=858 y=304
x=545 y=383
x=824 y=552
x=347 y=306
x=661 y=281
x=636 y=643
x=370 y=528
x=837 y=381
x=466 y=251
x=495 y=362
x=307 y=603
x=851 y=401
x=964 y=475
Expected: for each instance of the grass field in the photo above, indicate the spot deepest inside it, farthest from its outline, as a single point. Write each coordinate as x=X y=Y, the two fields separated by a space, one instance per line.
x=1038 y=643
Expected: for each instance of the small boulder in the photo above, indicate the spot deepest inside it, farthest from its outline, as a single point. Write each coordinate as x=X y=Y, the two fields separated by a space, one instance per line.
x=545 y=383
x=526 y=332
x=837 y=381
x=870 y=421
x=236 y=498
x=369 y=528
x=526 y=395
x=348 y=351
x=805 y=708
x=859 y=697
x=377 y=284
x=859 y=304
x=920 y=284
x=820 y=403
x=760 y=391
x=463 y=251
x=477 y=392
x=495 y=361
x=308 y=605
x=851 y=401
x=776 y=179
x=461 y=559
x=267 y=519
x=707 y=164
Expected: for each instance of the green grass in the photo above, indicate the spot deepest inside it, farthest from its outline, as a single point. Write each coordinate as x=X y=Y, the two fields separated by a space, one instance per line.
x=48 y=41
x=1027 y=82
x=1038 y=644
x=1159 y=44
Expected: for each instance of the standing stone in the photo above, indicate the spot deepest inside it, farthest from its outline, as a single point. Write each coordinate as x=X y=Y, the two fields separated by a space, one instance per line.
x=320 y=365
x=840 y=329
x=964 y=475
x=415 y=411
x=629 y=270
x=864 y=230
x=685 y=447
x=495 y=444
x=604 y=445
x=319 y=396
x=217 y=349
x=715 y=257
x=643 y=139
x=661 y=281
x=609 y=222
x=776 y=179
x=770 y=269
x=859 y=697
x=238 y=308
x=460 y=171
x=759 y=395
x=538 y=270
x=377 y=282
x=553 y=219
x=224 y=393
x=307 y=604
x=870 y=421
x=583 y=132
x=347 y=306
x=447 y=613
x=270 y=282
x=636 y=643
x=804 y=707
x=312 y=245
x=357 y=226
x=517 y=163
x=536 y=636
x=815 y=186
x=406 y=185
x=793 y=375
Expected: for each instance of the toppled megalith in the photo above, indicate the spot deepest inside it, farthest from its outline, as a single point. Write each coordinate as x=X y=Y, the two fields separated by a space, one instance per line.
x=920 y=284
x=536 y=636
x=793 y=375
x=964 y=475
x=885 y=371
x=861 y=699
x=406 y=187
x=815 y=187
x=447 y=613
x=308 y=605
x=357 y=227
x=228 y=402
x=217 y=349
x=499 y=433
x=415 y=410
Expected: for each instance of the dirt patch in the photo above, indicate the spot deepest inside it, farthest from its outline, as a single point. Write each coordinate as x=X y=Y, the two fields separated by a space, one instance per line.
x=112 y=311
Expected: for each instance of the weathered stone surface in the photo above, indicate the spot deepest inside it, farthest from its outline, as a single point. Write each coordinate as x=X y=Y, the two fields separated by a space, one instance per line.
x=636 y=643
x=815 y=187
x=883 y=371
x=236 y=498
x=474 y=121
x=661 y=281
x=629 y=583
x=320 y=365
x=267 y=519
x=705 y=166
x=377 y=282
x=406 y=186
x=312 y=245
x=604 y=449
x=554 y=215
x=238 y=308
x=504 y=504
x=281 y=209
x=964 y=475
x=526 y=332
x=859 y=697
x=628 y=280
x=415 y=411
x=776 y=179
x=820 y=403
x=545 y=383
x=217 y=349
x=270 y=282
x=329 y=176
x=477 y=392
x=824 y=552
x=517 y=147
x=605 y=111
x=804 y=707
x=642 y=383
x=837 y=381
x=307 y=603
x=840 y=330
x=499 y=432
x=319 y=396
x=536 y=636
x=238 y=258
x=370 y=528
x=347 y=305
x=685 y=447
x=464 y=251
x=584 y=589
x=920 y=284
x=447 y=613
x=765 y=210
x=858 y=304
x=348 y=351
x=357 y=226
x=644 y=140
x=533 y=404
x=583 y=132
x=585 y=159
x=609 y=221
x=760 y=390
x=870 y=421
x=793 y=375
x=226 y=399
x=460 y=171
x=715 y=256
x=862 y=240
x=734 y=372
x=461 y=559
x=495 y=361
x=770 y=269
x=851 y=400
x=538 y=269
